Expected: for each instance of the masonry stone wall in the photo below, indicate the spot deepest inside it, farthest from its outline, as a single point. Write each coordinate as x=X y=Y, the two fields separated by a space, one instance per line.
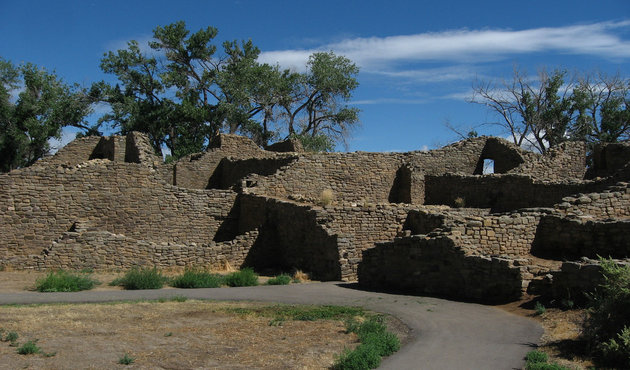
x=38 y=204
x=436 y=266
x=566 y=161
x=101 y=250
x=613 y=202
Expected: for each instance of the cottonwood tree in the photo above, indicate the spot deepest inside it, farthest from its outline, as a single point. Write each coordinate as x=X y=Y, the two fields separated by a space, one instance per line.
x=42 y=107
x=186 y=91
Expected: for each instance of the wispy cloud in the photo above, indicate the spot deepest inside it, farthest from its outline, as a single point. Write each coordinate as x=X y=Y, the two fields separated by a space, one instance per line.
x=388 y=101
x=380 y=53
x=143 y=44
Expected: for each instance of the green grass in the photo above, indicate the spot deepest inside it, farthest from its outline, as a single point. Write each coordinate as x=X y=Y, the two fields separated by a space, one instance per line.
x=283 y=279
x=136 y=279
x=376 y=342
x=245 y=277
x=537 y=360
x=126 y=360
x=197 y=279
x=301 y=313
x=29 y=348
x=63 y=281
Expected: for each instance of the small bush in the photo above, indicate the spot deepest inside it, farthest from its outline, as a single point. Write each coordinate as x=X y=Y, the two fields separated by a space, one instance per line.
x=29 y=348
x=126 y=360
x=283 y=279
x=245 y=277
x=460 y=202
x=299 y=276
x=136 y=279
x=63 y=281
x=192 y=279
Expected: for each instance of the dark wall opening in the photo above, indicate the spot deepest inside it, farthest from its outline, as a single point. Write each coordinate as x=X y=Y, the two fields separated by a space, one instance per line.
x=401 y=189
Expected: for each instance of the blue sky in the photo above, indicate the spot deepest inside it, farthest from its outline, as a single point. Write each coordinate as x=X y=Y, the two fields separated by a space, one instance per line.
x=418 y=59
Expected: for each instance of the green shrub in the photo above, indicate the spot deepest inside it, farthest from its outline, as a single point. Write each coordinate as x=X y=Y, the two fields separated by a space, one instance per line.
x=362 y=357
x=126 y=360
x=606 y=328
x=29 y=348
x=540 y=308
x=136 y=279
x=197 y=279
x=245 y=277
x=63 y=281
x=283 y=279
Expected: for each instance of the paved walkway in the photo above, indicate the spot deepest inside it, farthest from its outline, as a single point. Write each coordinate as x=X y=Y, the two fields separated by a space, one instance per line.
x=445 y=334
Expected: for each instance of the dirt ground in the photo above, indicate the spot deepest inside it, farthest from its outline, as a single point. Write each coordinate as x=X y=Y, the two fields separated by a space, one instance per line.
x=167 y=335
x=561 y=339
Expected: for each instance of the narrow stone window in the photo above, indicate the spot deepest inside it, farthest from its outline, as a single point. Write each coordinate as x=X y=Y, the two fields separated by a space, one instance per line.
x=488 y=166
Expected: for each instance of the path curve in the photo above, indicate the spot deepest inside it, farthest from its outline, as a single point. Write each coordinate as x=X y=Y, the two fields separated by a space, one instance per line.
x=445 y=334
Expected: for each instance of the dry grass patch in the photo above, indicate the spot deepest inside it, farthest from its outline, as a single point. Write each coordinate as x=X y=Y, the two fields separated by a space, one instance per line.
x=191 y=334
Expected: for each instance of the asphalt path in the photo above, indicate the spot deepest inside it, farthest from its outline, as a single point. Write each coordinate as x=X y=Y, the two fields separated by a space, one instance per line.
x=444 y=334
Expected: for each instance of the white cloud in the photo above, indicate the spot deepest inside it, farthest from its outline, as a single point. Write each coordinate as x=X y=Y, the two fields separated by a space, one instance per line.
x=379 y=53
x=143 y=44
x=442 y=74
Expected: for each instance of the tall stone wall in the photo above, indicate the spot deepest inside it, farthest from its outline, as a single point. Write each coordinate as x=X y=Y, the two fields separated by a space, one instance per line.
x=38 y=204
x=327 y=242
x=566 y=161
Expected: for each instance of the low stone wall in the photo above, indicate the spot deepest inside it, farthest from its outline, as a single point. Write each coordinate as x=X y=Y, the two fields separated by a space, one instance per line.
x=613 y=202
x=101 y=250
x=510 y=234
x=564 y=238
x=436 y=266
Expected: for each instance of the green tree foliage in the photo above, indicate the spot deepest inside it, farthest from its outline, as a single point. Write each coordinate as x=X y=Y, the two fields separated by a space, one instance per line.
x=43 y=106
x=551 y=109
x=186 y=91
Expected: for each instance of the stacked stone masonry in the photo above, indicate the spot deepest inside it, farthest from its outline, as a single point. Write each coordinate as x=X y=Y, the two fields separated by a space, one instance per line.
x=429 y=222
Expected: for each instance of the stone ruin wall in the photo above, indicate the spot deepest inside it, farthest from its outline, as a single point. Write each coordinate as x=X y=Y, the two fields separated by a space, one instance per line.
x=38 y=204
x=123 y=210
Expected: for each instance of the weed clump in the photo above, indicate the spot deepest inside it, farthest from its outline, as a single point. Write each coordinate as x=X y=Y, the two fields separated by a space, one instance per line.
x=63 y=281
x=29 y=348
x=326 y=197
x=126 y=360
x=283 y=279
x=245 y=277
x=136 y=279
x=197 y=279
